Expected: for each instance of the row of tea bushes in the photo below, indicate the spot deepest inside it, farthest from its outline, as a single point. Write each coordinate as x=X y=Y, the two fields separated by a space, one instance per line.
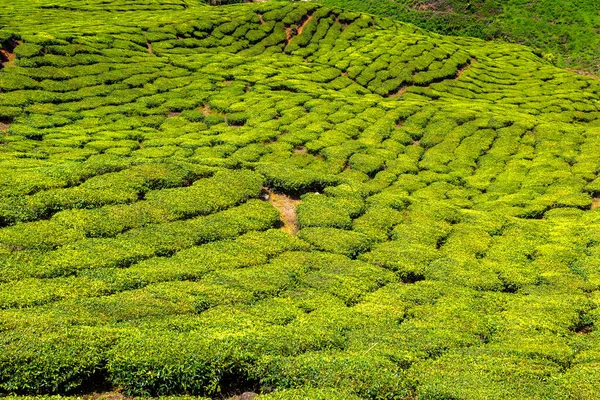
x=445 y=192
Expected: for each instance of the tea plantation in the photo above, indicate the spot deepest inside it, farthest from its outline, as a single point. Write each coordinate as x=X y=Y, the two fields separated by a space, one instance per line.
x=565 y=32
x=294 y=200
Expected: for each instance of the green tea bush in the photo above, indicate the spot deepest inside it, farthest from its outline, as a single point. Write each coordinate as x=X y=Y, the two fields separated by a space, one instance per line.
x=293 y=180
x=60 y=362
x=485 y=374
x=318 y=210
x=224 y=189
x=360 y=376
x=336 y=241
x=435 y=200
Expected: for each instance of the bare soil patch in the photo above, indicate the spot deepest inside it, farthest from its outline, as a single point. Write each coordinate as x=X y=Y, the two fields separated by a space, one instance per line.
x=595 y=203
x=287 y=209
x=173 y=114
x=584 y=330
x=206 y=110
x=244 y=396
x=584 y=73
x=301 y=27
x=6 y=58
x=300 y=150
x=399 y=93
x=465 y=67
x=106 y=396
x=7 y=55
x=293 y=31
x=289 y=34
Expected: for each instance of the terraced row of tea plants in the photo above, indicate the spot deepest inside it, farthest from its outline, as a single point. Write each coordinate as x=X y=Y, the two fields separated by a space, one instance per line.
x=291 y=199
x=565 y=32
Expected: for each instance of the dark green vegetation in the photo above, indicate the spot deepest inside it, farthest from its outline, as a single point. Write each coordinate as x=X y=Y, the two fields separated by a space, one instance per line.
x=449 y=244
x=566 y=32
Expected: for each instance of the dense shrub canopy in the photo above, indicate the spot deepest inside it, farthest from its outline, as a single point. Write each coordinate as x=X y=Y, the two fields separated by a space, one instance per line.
x=565 y=32
x=445 y=191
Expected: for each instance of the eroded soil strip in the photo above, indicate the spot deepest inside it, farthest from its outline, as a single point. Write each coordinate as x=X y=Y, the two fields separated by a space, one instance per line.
x=287 y=209
x=584 y=73
x=7 y=53
x=293 y=31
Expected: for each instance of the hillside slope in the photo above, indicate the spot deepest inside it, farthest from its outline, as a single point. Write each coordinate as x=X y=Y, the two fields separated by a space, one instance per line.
x=291 y=199
x=566 y=32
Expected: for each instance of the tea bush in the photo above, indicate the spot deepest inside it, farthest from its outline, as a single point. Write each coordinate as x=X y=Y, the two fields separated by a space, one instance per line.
x=290 y=199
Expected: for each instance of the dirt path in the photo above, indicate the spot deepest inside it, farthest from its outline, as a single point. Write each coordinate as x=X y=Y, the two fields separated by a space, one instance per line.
x=148 y=44
x=287 y=209
x=301 y=27
x=399 y=93
x=584 y=73
x=293 y=31
x=206 y=111
x=465 y=67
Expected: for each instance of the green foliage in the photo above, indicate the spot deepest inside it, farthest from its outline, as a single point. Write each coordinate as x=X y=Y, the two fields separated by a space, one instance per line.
x=59 y=362
x=336 y=241
x=296 y=200
x=565 y=32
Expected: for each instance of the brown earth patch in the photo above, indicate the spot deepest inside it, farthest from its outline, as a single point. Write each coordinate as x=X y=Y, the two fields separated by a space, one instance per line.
x=289 y=34
x=287 y=209
x=106 y=396
x=6 y=58
x=337 y=21
x=293 y=31
x=7 y=55
x=148 y=44
x=399 y=93
x=584 y=73
x=300 y=150
x=173 y=114
x=416 y=143
x=261 y=19
x=301 y=27
x=465 y=67
x=244 y=396
x=206 y=110
x=584 y=330
x=595 y=203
